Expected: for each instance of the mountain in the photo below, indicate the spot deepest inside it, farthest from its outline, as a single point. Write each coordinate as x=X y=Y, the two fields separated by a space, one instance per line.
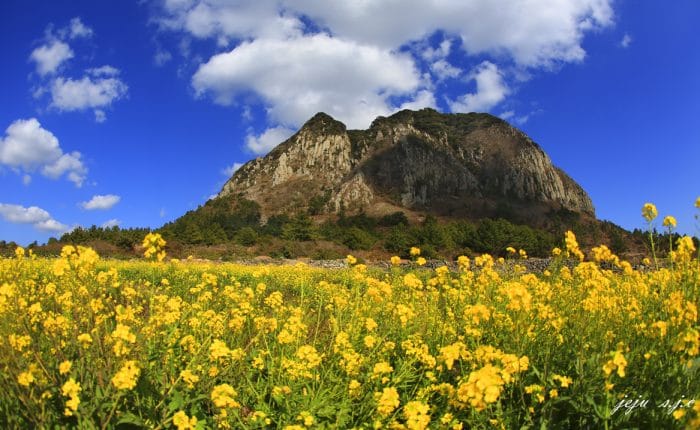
x=420 y=162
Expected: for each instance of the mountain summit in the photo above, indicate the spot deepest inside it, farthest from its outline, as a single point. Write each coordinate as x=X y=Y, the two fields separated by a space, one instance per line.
x=420 y=162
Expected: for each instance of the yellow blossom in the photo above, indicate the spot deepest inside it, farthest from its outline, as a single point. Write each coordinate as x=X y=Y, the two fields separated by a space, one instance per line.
x=670 y=222
x=189 y=378
x=649 y=212
x=414 y=252
x=25 y=378
x=64 y=367
x=223 y=396
x=417 y=416
x=395 y=260
x=387 y=401
x=71 y=389
x=126 y=377
x=183 y=422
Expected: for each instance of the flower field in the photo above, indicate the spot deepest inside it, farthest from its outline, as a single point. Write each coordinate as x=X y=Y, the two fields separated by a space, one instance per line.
x=94 y=343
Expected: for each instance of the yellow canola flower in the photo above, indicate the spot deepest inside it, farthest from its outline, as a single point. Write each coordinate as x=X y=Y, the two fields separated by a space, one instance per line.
x=71 y=389
x=417 y=415
x=697 y=205
x=649 y=212
x=670 y=222
x=395 y=260
x=25 y=378
x=572 y=246
x=183 y=422
x=351 y=260
x=19 y=252
x=64 y=367
x=154 y=244
x=618 y=362
x=421 y=261
x=483 y=386
x=354 y=388
x=127 y=376
x=189 y=378
x=223 y=396
x=387 y=401
x=306 y=418
x=414 y=252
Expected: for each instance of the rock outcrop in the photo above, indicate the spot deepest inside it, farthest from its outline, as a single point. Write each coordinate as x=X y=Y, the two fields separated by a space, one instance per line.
x=465 y=165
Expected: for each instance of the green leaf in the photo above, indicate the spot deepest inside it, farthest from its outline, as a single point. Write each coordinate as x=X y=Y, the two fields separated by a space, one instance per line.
x=176 y=403
x=129 y=418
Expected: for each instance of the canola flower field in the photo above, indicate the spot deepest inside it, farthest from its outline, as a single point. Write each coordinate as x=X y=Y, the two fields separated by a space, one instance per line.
x=92 y=343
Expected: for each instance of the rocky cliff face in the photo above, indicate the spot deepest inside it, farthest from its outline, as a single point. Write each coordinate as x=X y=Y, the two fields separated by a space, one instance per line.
x=470 y=165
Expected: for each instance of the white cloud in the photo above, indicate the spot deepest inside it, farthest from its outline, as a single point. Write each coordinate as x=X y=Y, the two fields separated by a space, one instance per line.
x=222 y=20
x=26 y=179
x=28 y=146
x=78 y=29
x=349 y=58
x=87 y=93
x=532 y=32
x=440 y=52
x=230 y=170
x=161 y=57
x=101 y=202
x=100 y=116
x=34 y=215
x=444 y=70
x=51 y=225
x=299 y=77
x=423 y=99
x=511 y=117
x=49 y=57
x=507 y=115
x=105 y=70
x=69 y=164
x=111 y=223
x=263 y=143
x=626 y=41
x=490 y=90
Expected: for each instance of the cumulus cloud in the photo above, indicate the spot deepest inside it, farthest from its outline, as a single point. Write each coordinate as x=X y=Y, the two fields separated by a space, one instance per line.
x=90 y=92
x=27 y=146
x=444 y=70
x=37 y=217
x=359 y=59
x=105 y=70
x=423 y=99
x=101 y=202
x=161 y=57
x=626 y=41
x=230 y=170
x=223 y=20
x=301 y=76
x=77 y=29
x=49 y=57
x=97 y=89
x=490 y=90
x=532 y=32
x=263 y=143
x=111 y=223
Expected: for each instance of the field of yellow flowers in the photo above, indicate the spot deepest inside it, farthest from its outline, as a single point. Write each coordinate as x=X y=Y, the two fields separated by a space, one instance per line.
x=93 y=343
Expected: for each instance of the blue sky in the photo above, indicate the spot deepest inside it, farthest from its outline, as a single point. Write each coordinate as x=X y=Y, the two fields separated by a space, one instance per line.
x=132 y=113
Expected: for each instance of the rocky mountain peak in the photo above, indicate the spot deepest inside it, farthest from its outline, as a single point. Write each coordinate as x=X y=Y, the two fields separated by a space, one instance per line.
x=452 y=165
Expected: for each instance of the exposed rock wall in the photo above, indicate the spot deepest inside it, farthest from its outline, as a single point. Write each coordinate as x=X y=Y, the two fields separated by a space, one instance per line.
x=416 y=160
